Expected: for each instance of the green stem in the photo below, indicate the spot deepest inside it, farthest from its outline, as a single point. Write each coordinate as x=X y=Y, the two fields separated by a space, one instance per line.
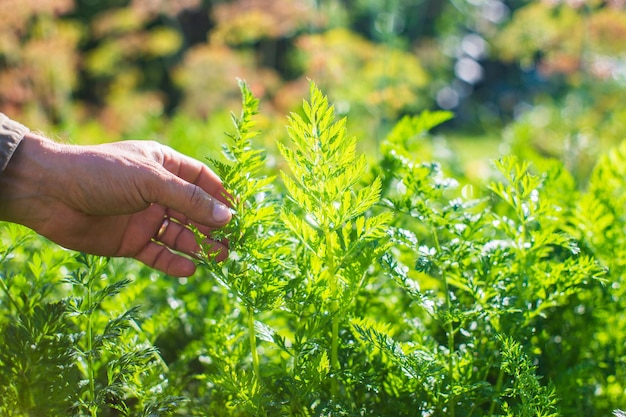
x=157 y=357
x=90 y=353
x=498 y=390
x=450 y=334
x=334 y=310
x=253 y=349
x=449 y=327
x=334 y=352
x=5 y=288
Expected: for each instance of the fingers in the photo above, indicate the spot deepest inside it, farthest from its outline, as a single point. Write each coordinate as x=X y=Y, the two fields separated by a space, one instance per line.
x=158 y=255
x=179 y=238
x=162 y=182
x=194 y=172
x=180 y=184
x=193 y=202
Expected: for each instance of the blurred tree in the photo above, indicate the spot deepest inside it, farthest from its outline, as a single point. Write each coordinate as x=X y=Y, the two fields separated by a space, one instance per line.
x=30 y=81
x=364 y=76
x=128 y=63
x=242 y=22
x=577 y=52
x=207 y=76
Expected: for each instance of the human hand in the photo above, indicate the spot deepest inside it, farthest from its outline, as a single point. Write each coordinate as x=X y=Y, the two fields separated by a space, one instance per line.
x=131 y=199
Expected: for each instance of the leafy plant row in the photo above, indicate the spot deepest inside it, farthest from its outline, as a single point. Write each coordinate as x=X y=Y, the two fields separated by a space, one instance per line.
x=353 y=287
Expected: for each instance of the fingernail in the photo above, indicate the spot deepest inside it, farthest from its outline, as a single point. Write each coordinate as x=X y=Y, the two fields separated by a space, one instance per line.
x=221 y=213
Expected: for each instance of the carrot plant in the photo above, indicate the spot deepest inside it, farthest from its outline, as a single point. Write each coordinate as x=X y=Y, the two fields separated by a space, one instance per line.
x=387 y=285
x=65 y=347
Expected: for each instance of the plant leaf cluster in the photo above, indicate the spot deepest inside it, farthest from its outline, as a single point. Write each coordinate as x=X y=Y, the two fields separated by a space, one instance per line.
x=65 y=349
x=389 y=287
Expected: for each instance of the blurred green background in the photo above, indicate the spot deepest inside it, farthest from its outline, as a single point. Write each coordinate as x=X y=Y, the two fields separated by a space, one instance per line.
x=541 y=78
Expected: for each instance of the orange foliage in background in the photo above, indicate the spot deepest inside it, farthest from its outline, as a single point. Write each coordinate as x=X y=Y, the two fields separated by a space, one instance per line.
x=43 y=63
x=167 y=7
x=39 y=56
x=73 y=63
x=572 y=37
x=244 y=21
x=123 y=67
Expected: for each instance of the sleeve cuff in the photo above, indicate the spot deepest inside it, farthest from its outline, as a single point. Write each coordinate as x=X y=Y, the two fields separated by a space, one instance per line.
x=11 y=134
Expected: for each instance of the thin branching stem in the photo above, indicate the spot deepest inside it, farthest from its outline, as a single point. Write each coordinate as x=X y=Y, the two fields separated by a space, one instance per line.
x=335 y=351
x=253 y=347
x=155 y=354
x=90 y=352
x=449 y=327
x=498 y=391
x=334 y=346
x=5 y=288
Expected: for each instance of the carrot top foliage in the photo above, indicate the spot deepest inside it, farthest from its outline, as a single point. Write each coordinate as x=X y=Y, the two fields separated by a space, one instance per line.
x=353 y=287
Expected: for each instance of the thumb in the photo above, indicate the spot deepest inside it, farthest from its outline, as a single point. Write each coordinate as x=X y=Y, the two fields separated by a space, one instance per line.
x=190 y=200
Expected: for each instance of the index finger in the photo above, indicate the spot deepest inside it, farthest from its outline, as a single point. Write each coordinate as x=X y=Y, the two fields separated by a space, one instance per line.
x=195 y=172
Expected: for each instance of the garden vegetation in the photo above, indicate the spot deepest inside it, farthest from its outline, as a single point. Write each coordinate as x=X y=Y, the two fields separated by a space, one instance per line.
x=378 y=266
x=353 y=287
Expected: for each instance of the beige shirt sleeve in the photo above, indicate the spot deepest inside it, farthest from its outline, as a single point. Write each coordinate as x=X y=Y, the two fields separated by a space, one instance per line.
x=11 y=134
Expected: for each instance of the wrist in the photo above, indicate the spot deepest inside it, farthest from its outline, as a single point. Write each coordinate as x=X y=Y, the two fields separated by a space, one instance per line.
x=26 y=192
